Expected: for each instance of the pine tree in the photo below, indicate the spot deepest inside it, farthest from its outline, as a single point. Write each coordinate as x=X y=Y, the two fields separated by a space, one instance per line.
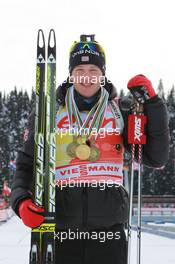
x=1 y=124
x=4 y=140
x=1 y=140
x=24 y=102
x=170 y=167
x=4 y=132
x=148 y=181
x=162 y=182
x=160 y=90
x=32 y=101
x=122 y=93
x=13 y=112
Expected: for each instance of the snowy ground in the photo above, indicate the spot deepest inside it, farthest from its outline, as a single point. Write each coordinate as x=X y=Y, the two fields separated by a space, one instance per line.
x=15 y=241
x=165 y=224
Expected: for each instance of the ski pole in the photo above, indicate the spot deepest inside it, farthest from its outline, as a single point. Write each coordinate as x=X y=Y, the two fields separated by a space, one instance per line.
x=139 y=216
x=136 y=123
x=130 y=203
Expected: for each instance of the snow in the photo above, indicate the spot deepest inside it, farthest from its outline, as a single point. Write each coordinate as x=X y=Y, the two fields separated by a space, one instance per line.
x=155 y=249
x=15 y=244
x=164 y=224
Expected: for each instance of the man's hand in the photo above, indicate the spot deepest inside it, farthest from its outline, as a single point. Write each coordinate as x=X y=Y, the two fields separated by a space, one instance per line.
x=141 y=88
x=31 y=214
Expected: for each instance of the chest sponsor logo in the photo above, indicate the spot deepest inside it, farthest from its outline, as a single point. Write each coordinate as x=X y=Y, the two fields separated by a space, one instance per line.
x=103 y=169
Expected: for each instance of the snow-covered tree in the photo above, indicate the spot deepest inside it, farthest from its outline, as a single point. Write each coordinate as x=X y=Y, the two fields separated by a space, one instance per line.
x=160 y=90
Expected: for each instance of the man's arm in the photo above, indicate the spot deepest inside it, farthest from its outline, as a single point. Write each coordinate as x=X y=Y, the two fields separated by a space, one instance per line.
x=22 y=182
x=156 y=150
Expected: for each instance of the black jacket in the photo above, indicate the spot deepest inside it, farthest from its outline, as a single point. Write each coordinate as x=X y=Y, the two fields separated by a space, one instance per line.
x=87 y=207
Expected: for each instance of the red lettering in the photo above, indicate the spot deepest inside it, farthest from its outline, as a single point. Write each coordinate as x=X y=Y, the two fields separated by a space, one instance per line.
x=63 y=123
x=83 y=170
x=63 y=172
x=109 y=168
x=102 y=168
x=94 y=168
x=75 y=170
x=107 y=121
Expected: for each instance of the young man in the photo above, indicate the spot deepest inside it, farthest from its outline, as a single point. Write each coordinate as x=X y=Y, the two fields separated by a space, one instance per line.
x=91 y=136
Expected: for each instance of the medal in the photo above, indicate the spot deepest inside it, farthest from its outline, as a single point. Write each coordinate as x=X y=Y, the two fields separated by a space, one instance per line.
x=94 y=154
x=83 y=152
x=71 y=149
x=82 y=147
x=81 y=140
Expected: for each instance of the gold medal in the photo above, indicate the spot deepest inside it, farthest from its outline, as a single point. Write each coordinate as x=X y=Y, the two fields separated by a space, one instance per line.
x=81 y=140
x=83 y=152
x=71 y=149
x=74 y=138
x=95 y=154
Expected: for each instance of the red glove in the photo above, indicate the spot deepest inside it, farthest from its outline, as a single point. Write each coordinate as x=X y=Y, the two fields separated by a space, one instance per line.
x=141 y=88
x=30 y=213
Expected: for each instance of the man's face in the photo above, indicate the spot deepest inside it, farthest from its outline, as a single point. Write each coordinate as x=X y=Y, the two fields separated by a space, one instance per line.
x=86 y=79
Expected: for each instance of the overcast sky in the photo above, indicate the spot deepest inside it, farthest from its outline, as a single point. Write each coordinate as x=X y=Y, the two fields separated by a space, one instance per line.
x=138 y=37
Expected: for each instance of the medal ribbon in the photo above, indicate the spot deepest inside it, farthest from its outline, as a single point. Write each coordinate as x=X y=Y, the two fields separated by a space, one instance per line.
x=97 y=111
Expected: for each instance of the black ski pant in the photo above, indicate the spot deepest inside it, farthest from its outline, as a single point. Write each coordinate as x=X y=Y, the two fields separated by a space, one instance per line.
x=102 y=246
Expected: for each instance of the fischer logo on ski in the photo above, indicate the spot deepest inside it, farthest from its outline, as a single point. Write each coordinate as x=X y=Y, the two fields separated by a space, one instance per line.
x=40 y=59
x=39 y=169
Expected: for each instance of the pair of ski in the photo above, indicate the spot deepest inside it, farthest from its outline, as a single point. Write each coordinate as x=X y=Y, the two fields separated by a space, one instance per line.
x=42 y=238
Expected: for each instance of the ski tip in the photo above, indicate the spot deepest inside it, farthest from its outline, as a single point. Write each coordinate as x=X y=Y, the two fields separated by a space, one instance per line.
x=40 y=39
x=52 y=39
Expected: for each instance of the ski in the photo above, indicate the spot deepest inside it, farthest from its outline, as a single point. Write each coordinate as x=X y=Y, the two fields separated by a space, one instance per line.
x=42 y=238
x=38 y=171
x=50 y=152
